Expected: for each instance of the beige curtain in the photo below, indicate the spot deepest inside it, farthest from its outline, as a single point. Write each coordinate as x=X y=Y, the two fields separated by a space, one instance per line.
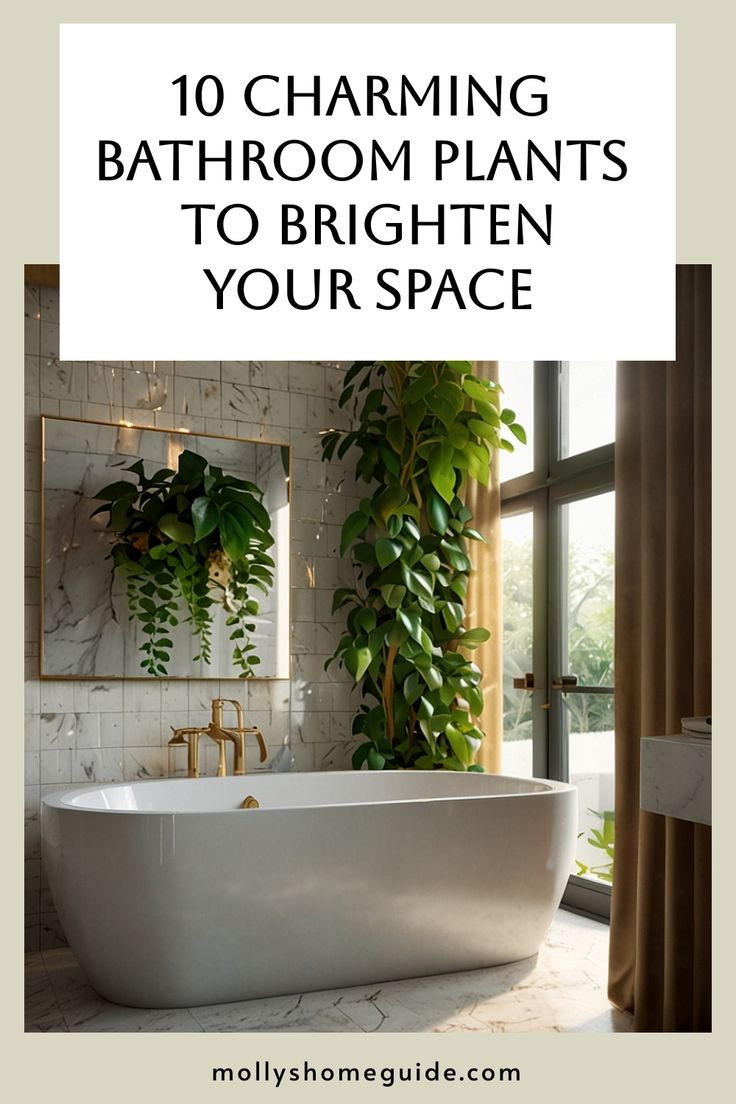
x=484 y=602
x=660 y=922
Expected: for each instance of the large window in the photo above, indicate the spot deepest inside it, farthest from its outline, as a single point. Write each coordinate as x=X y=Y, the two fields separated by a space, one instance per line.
x=558 y=551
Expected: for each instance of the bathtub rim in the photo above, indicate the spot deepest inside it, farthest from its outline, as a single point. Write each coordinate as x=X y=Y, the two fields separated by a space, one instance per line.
x=60 y=800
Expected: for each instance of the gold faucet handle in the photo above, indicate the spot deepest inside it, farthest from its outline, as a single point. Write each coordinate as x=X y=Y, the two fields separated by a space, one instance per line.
x=255 y=731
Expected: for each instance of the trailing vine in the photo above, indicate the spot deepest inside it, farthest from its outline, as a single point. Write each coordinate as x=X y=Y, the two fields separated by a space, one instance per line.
x=422 y=429
x=186 y=540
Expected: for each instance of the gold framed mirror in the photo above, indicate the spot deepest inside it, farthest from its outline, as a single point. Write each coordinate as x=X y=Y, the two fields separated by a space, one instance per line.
x=137 y=518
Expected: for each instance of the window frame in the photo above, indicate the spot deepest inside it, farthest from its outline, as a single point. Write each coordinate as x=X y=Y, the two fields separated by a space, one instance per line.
x=553 y=482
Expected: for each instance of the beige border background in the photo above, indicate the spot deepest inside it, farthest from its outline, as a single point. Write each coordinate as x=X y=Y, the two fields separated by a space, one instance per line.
x=599 y=1068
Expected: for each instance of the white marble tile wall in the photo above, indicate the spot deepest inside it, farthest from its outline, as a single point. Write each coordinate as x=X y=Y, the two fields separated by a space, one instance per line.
x=81 y=732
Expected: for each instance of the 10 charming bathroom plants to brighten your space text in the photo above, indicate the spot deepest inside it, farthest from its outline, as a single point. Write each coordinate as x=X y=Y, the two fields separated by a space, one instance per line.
x=421 y=430
x=193 y=537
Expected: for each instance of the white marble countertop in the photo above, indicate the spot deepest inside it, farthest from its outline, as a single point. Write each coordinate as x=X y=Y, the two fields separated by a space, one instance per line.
x=676 y=777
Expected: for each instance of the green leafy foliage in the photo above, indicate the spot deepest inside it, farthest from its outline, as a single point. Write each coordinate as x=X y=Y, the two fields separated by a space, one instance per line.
x=420 y=430
x=184 y=541
x=604 y=839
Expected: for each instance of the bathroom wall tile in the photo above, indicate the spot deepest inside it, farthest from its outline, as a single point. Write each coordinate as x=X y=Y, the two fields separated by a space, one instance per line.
x=101 y=412
x=236 y=371
x=308 y=506
x=57 y=731
x=101 y=765
x=48 y=300
x=297 y=413
x=32 y=341
x=32 y=471
x=341 y=726
x=271 y=373
x=146 y=391
x=302 y=756
x=31 y=727
x=303 y=605
x=221 y=427
x=56 y=766
x=104 y=384
x=324 y=638
x=57 y=696
x=306 y=377
x=32 y=378
x=345 y=696
x=140 y=763
x=138 y=416
x=142 y=729
x=87 y=731
x=199 y=718
x=49 y=340
x=105 y=697
x=334 y=376
x=189 y=423
x=62 y=379
x=198 y=369
x=32 y=774
x=174 y=694
x=60 y=787
x=201 y=398
x=202 y=693
x=314 y=727
x=328 y=756
x=302 y=638
x=143 y=696
x=270 y=696
x=70 y=408
x=111 y=730
x=32 y=301
x=172 y=719
x=252 y=431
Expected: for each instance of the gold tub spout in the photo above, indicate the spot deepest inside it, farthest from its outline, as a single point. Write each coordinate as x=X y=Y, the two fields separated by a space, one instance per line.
x=189 y=738
x=221 y=735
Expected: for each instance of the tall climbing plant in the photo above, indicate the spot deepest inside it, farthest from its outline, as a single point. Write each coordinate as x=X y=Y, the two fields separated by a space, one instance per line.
x=421 y=429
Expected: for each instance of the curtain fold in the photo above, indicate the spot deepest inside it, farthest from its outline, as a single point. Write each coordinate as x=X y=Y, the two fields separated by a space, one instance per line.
x=484 y=603
x=661 y=912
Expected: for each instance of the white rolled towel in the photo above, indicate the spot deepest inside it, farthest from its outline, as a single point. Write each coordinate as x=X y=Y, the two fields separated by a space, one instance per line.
x=697 y=726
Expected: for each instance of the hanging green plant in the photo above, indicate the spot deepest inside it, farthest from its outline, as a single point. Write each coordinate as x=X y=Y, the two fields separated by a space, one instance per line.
x=422 y=429
x=184 y=541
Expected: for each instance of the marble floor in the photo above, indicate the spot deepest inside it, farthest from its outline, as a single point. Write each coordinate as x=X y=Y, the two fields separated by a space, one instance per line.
x=563 y=988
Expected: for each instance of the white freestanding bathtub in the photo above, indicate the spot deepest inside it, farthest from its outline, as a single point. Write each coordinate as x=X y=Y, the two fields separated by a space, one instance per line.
x=170 y=894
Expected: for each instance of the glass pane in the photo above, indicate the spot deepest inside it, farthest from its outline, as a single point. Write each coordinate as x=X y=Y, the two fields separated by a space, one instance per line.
x=517 y=643
x=589 y=718
x=517 y=380
x=588 y=397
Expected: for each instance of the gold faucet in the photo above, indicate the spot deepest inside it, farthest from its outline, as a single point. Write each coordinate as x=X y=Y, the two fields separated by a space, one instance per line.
x=189 y=738
x=216 y=731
